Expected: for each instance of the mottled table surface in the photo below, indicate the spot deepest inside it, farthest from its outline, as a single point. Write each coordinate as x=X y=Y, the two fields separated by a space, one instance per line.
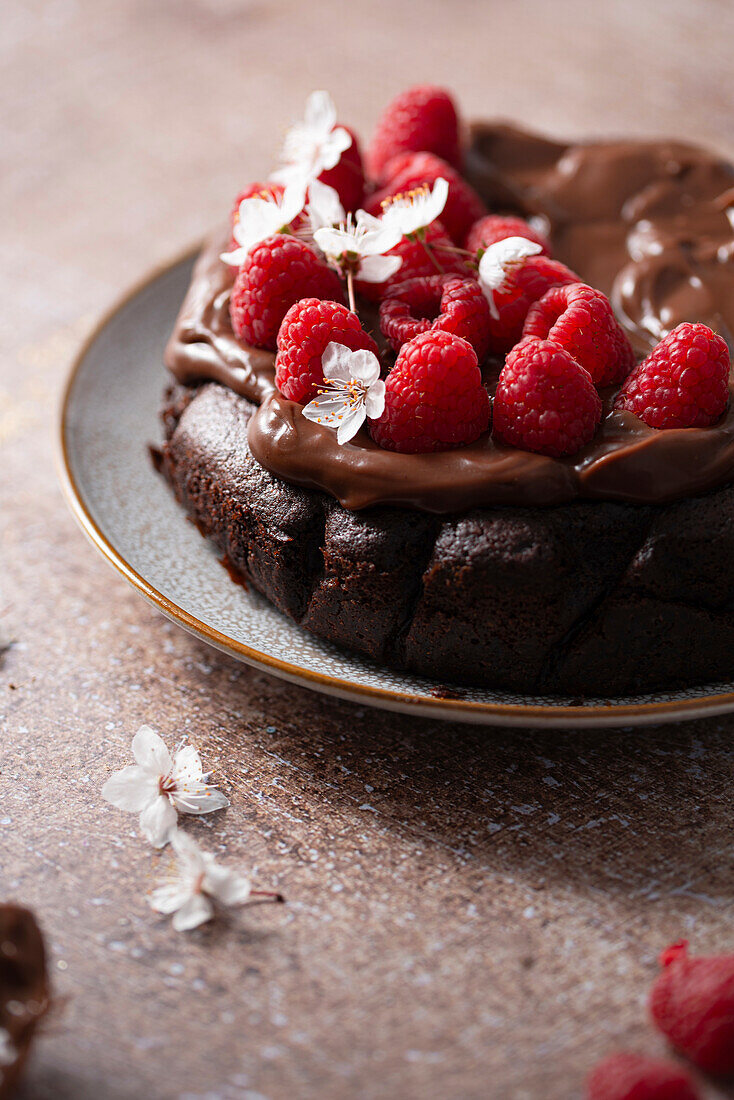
x=471 y=912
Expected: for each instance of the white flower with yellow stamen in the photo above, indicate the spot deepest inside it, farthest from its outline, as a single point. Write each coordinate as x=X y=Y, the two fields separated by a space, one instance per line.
x=411 y=211
x=358 y=247
x=352 y=391
x=158 y=786
x=197 y=883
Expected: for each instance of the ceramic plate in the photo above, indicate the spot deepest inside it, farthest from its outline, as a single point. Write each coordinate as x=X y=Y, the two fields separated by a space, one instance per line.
x=108 y=417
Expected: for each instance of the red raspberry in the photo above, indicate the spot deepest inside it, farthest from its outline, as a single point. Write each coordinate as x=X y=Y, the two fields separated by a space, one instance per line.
x=692 y=1002
x=417 y=262
x=524 y=284
x=683 y=383
x=434 y=397
x=421 y=118
x=410 y=170
x=347 y=176
x=498 y=227
x=307 y=328
x=545 y=401
x=446 y=302
x=581 y=320
x=634 y=1077
x=276 y=273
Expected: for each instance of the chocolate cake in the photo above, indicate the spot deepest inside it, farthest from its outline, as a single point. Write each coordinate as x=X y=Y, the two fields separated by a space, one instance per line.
x=24 y=991
x=603 y=572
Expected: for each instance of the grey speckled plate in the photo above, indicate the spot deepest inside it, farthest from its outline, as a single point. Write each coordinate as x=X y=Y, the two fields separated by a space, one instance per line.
x=109 y=415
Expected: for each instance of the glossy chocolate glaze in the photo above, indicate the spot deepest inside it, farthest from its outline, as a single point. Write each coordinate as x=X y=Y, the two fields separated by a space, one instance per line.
x=646 y=222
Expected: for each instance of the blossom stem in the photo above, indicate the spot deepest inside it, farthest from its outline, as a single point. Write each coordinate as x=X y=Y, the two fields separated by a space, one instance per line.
x=267 y=895
x=350 y=290
x=431 y=255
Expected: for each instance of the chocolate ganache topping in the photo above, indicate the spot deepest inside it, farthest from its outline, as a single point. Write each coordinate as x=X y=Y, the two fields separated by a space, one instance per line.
x=647 y=222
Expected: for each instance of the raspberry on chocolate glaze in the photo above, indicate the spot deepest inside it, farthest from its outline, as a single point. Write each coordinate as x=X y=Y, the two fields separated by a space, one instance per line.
x=445 y=302
x=307 y=328
x=434 y=397
x=422 y=118
x=498 y=227
x=276 y=273
x=411 y=170
x=627 y=1076
x=581 y=320
x=545 y=402
x=417 y=261
x=683 y=383
x=692 y=1002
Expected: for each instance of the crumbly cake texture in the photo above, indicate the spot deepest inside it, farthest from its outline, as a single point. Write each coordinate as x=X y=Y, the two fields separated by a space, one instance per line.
x=592 y=597
x=587 y=598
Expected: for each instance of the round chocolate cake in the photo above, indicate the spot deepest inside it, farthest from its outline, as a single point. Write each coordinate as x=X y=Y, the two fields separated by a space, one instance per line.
x=602 y=572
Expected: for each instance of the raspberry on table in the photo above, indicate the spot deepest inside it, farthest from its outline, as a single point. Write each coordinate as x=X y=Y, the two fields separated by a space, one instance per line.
x=683 y=383
x=417 y=262
x=409 y=171
x=307 y=328
x=544 y=402
x=692 y=1003
x=276 y=273
x=524 y=284
x=627 y=1076
x=581 y=320
x=447 y=302
x=421 y=118
x=347 y=176
x=498 y=227
x=434 y=397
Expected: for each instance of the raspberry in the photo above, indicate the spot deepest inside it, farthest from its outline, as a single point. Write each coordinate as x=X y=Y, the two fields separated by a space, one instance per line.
x=421 y=118
x=446 y=302
x=545 y=401
x=410 y=170
x=498 y=227
x=692 y=1002
x=307 y=328
x=524 y=284
x=581 y=320
x=347 y=177
x=683 y=383
x=634 y=1077
x=434 y=397
x=276 y=273
x=417 y=262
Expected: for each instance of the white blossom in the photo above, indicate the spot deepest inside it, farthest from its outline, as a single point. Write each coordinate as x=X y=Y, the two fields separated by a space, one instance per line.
x=352 y=391
x=360 y=245
x=499 y=260
x=158 y=786
x=263 y=216
x=8 y=1053
x=324 y=206
x=412 y=211
x=198 y=882
x=314 y=144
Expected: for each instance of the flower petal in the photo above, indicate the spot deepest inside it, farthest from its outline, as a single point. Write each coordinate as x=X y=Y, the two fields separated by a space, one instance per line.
x=324 y=206
x=439 y=195
x=199 y=799
x=157 y=820
x=334 y=242
x=234 y=259
x=169 y=897
x=320 y=113
x=197 y=910
x=132 y=788
x=226 y=886
x=351 y=422
x=376 y=269
x=375 y=401
x=188 y=853
x=294 y=199
x=335 y=361
x=150 y=751
x=187 y=766
x=364 y=366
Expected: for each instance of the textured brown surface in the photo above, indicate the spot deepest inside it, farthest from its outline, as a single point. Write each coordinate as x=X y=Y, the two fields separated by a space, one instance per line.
x=472 y=913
